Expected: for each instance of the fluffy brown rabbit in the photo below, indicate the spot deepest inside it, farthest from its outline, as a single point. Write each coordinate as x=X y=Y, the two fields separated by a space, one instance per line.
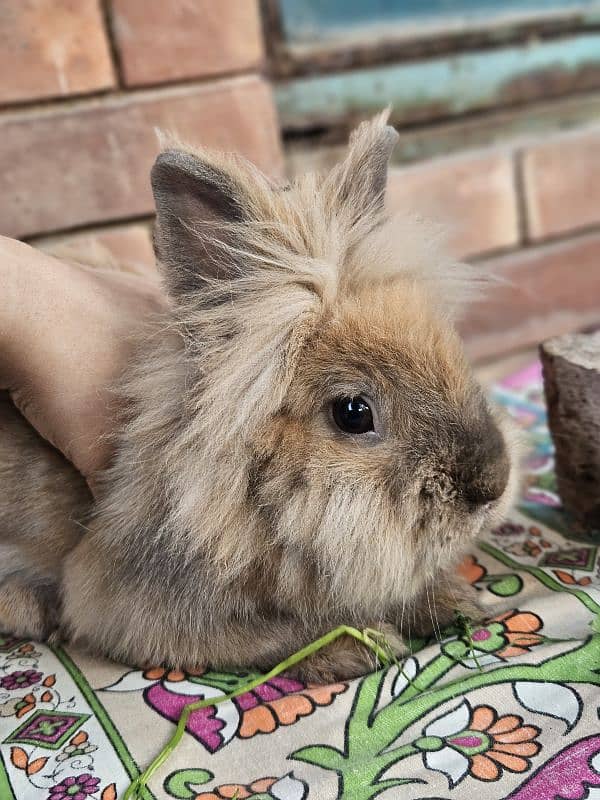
x=303 y=445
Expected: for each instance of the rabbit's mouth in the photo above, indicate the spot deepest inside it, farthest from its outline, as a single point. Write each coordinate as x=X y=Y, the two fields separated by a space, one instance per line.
x=475 y=502
x=450 y=518
x=470 y=484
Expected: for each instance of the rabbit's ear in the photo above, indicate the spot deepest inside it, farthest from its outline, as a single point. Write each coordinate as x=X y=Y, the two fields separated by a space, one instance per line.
x=199 y=200
x=360 y=180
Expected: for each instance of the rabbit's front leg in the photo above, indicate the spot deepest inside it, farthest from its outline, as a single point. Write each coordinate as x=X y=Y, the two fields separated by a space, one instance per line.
x=275 y=640
x=347 y=658
x=435 y=608
x=453 y=594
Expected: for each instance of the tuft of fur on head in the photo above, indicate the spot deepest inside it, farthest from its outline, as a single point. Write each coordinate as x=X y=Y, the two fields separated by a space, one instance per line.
x=328 y=233
x=281 y=299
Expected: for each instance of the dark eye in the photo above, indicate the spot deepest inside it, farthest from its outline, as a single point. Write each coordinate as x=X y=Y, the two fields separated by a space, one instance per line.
x=353 y=415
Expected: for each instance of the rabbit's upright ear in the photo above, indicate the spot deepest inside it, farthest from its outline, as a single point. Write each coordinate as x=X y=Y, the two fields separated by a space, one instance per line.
x=360 y=180
x=199 y=199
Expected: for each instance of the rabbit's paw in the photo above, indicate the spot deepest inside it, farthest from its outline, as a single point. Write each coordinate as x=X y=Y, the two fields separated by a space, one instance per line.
x=347 y=658
x=437 y=608
x=458 y=596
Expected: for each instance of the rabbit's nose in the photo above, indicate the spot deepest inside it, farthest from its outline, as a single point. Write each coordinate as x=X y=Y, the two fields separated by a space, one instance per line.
x=486 y=473
x=489 y=485
x=482 y=464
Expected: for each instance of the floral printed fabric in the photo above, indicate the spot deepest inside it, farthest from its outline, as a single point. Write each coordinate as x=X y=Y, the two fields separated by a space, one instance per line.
x=505 y=709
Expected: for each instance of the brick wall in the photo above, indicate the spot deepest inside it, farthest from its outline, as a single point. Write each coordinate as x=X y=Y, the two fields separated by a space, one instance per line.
x=529 y=212
x=84 y=83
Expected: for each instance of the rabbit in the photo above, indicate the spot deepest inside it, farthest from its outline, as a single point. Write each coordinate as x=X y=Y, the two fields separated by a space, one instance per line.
x=303 y=443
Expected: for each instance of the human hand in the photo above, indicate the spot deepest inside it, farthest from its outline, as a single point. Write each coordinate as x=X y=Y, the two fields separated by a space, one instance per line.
x=65 y=338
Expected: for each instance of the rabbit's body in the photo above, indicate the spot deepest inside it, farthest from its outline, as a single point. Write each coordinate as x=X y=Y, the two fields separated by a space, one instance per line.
x=41 y=498
x=245 y=512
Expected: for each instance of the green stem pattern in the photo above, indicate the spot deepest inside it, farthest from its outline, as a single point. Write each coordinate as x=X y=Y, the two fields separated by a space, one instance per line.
x=370 y=734
x=365 y=784
x=541 y=576
x=578 y=665
x=430 y=674
x=365 y=637
x=6 y=792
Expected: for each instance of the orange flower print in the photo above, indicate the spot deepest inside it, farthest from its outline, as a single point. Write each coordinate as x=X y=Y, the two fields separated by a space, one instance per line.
x=520 y=630
x=502 y=584
x=275 y=788
x=471 y=570
x=277 y=702
x=505 y=636
x=159 y=674
x=478 y=742
x=266 y=708
x=25 y=705
x=571 y=580
x=512 y=744
x=238 y=790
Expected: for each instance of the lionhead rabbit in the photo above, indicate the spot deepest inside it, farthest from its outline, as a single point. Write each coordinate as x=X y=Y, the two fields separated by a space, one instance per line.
x=303 y=444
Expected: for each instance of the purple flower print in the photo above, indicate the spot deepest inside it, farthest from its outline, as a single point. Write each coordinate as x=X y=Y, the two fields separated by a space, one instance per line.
x=20 y=679
x=75 y=788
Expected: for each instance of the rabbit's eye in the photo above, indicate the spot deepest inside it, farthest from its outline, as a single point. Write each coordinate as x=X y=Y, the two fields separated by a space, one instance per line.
x=352 y=415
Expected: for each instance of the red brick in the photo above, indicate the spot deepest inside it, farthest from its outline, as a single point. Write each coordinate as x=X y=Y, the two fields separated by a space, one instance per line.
x=162 y=41
x=542 y=292
x=52 y=48
x=90 y=162
x=472 y=196
x=127 y=247
x=561 y=178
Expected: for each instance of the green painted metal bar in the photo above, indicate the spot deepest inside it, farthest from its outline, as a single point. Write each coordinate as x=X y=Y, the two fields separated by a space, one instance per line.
x=306 y=21
x=445 y=86
x=6 y=792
